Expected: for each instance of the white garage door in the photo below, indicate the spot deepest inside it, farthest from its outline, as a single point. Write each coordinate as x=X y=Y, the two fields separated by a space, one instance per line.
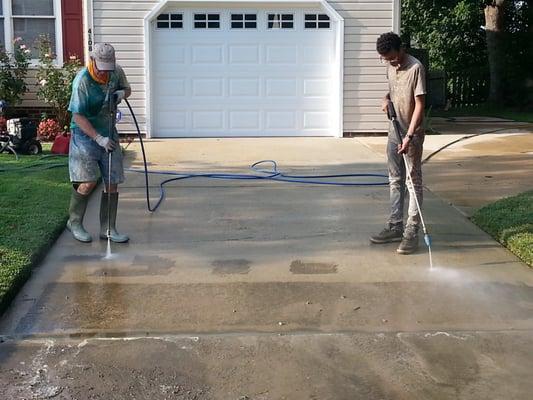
x=269 y=71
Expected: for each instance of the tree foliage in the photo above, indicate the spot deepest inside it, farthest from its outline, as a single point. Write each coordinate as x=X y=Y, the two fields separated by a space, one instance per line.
x=453 y=32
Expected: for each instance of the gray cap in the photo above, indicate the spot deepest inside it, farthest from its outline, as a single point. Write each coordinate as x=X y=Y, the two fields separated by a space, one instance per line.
x=104 y=55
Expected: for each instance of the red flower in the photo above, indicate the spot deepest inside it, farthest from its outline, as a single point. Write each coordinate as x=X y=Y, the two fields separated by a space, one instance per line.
x=48 y=129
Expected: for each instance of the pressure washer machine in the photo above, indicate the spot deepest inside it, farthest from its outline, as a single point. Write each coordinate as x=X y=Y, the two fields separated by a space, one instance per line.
x=20 y=137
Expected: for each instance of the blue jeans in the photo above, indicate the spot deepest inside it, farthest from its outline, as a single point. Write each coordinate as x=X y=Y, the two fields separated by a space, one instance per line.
x=88 y=160
x=398 y=183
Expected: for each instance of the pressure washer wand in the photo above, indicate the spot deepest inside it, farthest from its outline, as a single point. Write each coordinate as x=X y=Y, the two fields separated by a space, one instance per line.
x=391 y=114
x=112 y=107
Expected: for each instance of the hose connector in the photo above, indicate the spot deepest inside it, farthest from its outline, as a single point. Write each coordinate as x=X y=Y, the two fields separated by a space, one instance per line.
x=427 y=239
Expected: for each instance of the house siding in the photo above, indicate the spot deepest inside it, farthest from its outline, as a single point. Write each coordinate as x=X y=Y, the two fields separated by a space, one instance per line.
x=121 y=23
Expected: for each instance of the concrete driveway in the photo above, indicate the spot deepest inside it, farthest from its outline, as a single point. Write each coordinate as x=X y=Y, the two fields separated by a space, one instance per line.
x=264 y=290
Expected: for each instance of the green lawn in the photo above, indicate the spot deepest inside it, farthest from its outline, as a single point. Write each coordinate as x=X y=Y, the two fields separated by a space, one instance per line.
x=486 y=111
x=510 y=221
x=34 y=212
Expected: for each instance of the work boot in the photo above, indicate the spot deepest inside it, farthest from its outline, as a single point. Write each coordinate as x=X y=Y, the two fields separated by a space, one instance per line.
x=409 y=242
x=392 y=233
x=78 y=205
x=111 y=219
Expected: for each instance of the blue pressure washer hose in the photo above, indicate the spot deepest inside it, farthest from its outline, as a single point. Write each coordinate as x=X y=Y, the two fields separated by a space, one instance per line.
x=271 y=174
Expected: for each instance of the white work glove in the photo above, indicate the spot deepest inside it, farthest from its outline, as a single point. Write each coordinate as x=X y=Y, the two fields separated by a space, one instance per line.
x=120 y=95
x=105 y=142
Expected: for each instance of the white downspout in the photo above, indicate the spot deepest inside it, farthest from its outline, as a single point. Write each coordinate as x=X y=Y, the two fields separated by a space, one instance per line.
x=88 y=28
x=397 y=16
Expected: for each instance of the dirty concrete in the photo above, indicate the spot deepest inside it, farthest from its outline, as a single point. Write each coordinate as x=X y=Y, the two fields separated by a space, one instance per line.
x=415 y=366
x=263 y=290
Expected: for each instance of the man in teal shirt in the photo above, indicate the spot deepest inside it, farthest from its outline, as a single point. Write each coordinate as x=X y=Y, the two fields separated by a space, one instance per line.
x=94 y=139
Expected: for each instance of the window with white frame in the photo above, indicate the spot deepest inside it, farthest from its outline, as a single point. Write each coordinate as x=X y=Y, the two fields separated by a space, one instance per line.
x=32 y=18
x=316 y=21
x=170 y=21
x=243 y=21
x=280 y=21
x=209 y=21
x=27 y=20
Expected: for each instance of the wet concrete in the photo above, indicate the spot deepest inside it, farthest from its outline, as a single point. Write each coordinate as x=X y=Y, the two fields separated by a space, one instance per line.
x=262 y=290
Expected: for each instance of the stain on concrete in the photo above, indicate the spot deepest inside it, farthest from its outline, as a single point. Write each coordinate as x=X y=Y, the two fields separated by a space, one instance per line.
x=153 y=261
x=142 y=265
x=310 y=268
x=231 y=267
x=260 y=306
x=83 y=258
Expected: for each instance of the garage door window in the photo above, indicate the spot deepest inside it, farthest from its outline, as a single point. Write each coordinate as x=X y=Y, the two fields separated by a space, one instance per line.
x=243 y=21
x=316 y=21
x=170 y=21
x=209 y=21
x=280 y=21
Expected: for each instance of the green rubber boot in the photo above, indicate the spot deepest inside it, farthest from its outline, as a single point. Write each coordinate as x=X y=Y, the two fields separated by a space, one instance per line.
x=78 y=206
x=110 y=220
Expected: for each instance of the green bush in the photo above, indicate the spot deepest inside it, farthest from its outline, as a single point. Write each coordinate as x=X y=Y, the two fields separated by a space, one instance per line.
x=13 y=71
x=55 y=83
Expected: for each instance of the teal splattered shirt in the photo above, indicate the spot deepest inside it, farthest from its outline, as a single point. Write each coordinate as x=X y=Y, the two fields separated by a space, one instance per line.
x=89 y=98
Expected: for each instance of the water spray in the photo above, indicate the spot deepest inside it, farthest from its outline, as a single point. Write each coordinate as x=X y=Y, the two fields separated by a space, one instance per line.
x=391 y=113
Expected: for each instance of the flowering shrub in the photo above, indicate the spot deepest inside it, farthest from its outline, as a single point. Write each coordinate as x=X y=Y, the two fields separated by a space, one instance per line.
x=55 y=83
x=48 y=129
x=13 y=70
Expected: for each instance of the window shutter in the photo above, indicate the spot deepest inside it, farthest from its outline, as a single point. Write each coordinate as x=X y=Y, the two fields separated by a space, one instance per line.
x=72 y=19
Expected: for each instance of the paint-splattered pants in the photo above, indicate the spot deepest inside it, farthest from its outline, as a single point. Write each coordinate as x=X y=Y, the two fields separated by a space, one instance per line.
x=88 y=160
x=398 y=183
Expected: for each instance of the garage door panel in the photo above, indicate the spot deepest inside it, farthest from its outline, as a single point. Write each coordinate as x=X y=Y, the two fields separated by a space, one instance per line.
x=244 y=54
x=317 y=87
x=207 y=54
x=212 y=120
x=276 y=54
x=317 y=55
x=171 y=87
x=316 y=120
x=281 y=87
x=171 y=54
x=281 y=120
x=244 y=87
x=209 y=87
x=172 y=119
x=245 y=120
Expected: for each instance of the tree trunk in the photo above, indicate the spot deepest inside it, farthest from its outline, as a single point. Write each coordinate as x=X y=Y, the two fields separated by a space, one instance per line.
x=496 y=49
